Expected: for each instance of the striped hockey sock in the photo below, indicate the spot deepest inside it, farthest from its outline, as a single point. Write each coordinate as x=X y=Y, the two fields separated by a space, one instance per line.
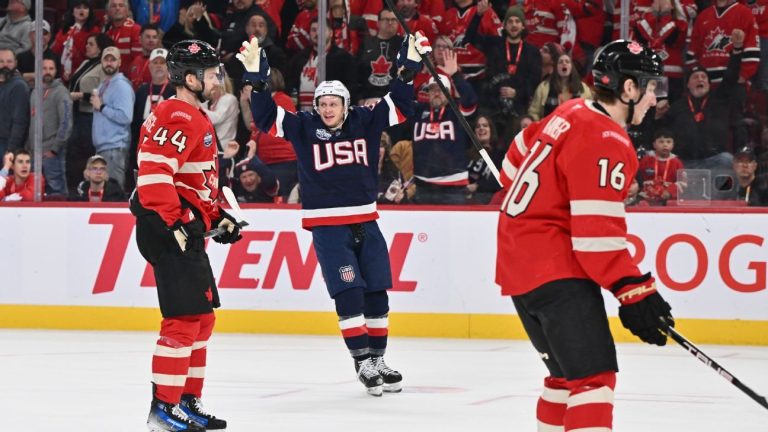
x=355 y=334
x=550 y=409
x=590 y=403
x=378 y=329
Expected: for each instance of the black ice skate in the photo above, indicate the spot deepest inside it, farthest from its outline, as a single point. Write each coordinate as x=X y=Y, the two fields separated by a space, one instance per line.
x=392 y=378
x=367 y=375
x=164 y=417
x=193 y=408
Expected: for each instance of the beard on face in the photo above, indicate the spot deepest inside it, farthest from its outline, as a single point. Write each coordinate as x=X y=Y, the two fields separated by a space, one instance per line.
x=109 y=70
x=48 y=78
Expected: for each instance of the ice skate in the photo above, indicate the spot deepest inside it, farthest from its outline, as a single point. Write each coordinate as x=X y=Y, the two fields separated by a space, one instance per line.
x=193 y=408
x=392 y=378
x=164 y=417
x=371 y=379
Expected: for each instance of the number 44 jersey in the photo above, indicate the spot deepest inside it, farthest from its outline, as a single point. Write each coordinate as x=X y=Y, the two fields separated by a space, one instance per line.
x=563 y=216
x=178 y=159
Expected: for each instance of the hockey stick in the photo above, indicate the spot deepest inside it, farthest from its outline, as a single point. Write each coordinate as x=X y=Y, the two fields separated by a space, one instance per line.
x=696 y=352
x=451 y=102
x=229 y=196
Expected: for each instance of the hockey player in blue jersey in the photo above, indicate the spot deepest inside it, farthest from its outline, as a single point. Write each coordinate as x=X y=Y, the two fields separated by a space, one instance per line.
x=337 y=148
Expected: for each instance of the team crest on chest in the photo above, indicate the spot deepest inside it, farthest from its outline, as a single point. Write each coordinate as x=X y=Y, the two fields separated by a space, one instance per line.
x=322 y=134
x=208 y=139
x=347 y=273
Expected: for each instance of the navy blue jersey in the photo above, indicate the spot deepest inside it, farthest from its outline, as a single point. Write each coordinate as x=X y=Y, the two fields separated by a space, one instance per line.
x=337 y=169
x=440 y=143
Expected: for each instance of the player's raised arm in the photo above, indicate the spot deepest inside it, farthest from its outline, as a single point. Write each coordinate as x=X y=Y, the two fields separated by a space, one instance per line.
x=398 y=104
x=267 y=116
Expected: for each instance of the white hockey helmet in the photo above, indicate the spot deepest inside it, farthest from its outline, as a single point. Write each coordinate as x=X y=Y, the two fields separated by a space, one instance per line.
x=332 y=88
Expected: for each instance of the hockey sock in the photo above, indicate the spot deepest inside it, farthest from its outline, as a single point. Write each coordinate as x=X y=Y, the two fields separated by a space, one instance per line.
x=170 y=363
x=550 y=409
x=377 y=321
x=590 y=403
x=349 y=308
x=196 y=373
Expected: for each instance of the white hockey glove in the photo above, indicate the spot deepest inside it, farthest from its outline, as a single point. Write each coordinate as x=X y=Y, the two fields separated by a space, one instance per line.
x=254 y=59
x=412 y=50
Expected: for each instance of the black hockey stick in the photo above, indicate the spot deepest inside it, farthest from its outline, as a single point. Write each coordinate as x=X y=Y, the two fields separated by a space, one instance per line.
x=229 y=196
x=451 y=102
x=699 y=354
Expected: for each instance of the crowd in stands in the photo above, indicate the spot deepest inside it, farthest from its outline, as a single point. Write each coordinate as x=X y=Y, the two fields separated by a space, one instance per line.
x=506 y=63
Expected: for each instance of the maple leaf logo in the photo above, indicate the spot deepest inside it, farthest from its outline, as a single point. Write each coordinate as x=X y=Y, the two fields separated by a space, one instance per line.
x=194 y=48
x=381 y=66
x=635 y=48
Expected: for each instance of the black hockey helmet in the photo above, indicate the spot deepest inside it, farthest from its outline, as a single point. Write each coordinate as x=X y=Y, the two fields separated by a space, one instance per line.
x=623 y=58
x=190 y=57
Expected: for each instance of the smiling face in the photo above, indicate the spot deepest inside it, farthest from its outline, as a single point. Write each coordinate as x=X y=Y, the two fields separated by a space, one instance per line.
x=331 y=110
x=483 y=130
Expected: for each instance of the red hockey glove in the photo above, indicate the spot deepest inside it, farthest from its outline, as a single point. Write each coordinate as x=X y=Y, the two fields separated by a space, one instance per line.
x=643 y=311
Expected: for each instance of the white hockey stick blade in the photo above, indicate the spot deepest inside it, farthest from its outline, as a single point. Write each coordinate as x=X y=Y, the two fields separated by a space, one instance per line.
x=489 y=162
x=229 y=196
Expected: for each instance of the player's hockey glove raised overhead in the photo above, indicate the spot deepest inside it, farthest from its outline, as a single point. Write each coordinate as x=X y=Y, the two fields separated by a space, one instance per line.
x=254 y=59
x=232 y=229
x=642 y=309
x=412 y=50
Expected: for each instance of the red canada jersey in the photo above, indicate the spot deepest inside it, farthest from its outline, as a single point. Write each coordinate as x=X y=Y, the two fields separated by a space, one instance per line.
x=711 y=41
x=126 y=38
x=454 y=24
x=178 y=158
x=563 y=215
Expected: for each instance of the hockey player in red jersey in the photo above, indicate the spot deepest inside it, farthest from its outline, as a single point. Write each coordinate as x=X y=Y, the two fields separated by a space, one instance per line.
x=337 y=149
x=562 y=235
x=175 y=202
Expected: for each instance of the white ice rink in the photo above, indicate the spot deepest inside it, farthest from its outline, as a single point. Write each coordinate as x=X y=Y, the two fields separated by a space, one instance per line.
x=99 y=381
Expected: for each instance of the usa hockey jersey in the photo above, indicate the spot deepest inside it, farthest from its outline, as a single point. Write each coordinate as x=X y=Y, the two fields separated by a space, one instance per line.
x=338 y=170
x=178 y=159
x=440 y=143
x=563 y=216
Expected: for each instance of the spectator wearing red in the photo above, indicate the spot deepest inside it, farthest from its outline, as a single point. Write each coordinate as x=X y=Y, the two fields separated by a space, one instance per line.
x=347 y=30
x=416 y=20
x=590 y=18
x=663 y=29
x=368 y=10
x=124 y=32
x=456 y=23
x=543 y=21
x=273 y=9
x=441 y=48
x=659 y=171
x=298 y=37
x=712 y=40
x=69 y=44
x=760 y=12
x=301 y=73
x=139 y=72
x=17 y=182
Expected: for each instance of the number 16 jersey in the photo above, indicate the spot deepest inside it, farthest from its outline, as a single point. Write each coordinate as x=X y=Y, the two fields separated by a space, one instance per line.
x=563 y=216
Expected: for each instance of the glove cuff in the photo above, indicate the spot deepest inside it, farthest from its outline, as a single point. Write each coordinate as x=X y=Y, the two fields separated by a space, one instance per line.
x=633 y=289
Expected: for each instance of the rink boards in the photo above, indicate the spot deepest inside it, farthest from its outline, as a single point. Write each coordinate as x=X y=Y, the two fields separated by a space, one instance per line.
x=79 y=268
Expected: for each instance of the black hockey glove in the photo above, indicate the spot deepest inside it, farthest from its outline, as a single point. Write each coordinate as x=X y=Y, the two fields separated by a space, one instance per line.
x=643 y=311
x=231 y=228
x=186 y=234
